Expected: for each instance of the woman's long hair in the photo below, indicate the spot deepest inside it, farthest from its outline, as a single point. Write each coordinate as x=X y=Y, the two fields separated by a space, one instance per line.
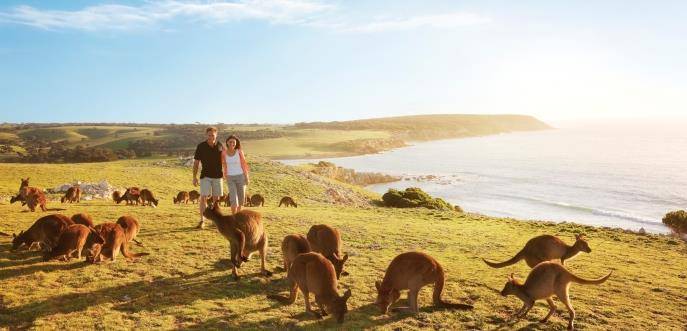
x=238 y=142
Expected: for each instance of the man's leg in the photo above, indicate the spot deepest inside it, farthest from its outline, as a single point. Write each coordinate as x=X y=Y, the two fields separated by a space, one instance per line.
x=205 y=190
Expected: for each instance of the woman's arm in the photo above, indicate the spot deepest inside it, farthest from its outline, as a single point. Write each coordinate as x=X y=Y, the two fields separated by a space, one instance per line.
x=224 y=164
x=244 y=166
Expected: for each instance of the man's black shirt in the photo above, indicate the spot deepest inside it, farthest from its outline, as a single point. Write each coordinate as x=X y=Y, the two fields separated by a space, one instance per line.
x=210 y=158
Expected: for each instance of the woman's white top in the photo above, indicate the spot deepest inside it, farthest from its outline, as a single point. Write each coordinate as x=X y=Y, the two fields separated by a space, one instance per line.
x=234 y=164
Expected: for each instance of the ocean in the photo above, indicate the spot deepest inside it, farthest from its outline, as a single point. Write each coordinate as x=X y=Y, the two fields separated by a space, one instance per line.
x=618 y=175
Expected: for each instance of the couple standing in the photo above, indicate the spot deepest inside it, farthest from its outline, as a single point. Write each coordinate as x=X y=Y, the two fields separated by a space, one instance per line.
x=219 y=162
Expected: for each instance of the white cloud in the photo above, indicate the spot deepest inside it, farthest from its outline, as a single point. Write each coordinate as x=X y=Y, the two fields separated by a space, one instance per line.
x=309 y=13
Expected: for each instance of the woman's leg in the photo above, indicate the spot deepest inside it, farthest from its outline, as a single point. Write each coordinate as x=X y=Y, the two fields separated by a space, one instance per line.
x=241 y=193
x=231 y=183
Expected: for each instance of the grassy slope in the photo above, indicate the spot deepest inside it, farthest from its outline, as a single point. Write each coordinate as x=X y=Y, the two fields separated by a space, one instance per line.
x=186 y=281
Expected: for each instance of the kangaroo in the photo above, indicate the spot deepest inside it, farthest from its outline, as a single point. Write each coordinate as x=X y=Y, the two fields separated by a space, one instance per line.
x=132 y=195
x=115 y=241
x=147 y=195
x=412 y=271
x=73 y=240
x=545 y=280
x=117 y=197
x=287 y=202
x=327 y=241
x=257 y=200
x=73 y=194
x=19 y=198
x=33 y=196
x=130 y=226
x=84 y=219
x=246 y=234
x=312 y=272
x=182 y=197
x=193 y=196
x=292 y=246
x=546 y=248
x=45 y=231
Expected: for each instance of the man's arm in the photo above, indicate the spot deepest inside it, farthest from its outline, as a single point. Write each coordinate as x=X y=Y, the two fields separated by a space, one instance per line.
x=195 y=172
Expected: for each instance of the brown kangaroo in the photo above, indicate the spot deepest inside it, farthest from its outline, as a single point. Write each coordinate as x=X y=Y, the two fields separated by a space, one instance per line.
x=16 y=198
x=327 y=241
x=292 y=246
x=117 y=197
x=257 y=200
x=245 y=232
x=115 y=241
x=287 y=202
x=312 y=272
x=132 y=195
x=546 y=248
x=32 y=195
x=193 y=196
x=73 y=194
x=412 y=271
x=73 y=240
x=130 y=226
x=545 y=280
x=84 y=219
x=45 y=231
x=147 y=196
x=182 y=197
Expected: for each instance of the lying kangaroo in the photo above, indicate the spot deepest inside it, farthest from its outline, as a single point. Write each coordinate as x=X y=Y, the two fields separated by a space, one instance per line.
x=84 y=219
x=292 y=246
x=130 y=226
x=73 y=194
x=287 y=202
x=546 y=248
x=193 y=196
x=545 y=280
x=412 y=271
x=312 y=272
x=73 y=240
x=115 y=241
x=327 y=241
x=45 y=231
x=245 y=233
x=147 y=196
x=33 y=196
x=182 y=197
x=257 y=200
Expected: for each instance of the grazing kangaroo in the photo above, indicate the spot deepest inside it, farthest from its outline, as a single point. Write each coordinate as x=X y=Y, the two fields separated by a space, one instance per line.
x=545 y=280
x=73 y=194
x=132 y=195
x=412 y=271
x=327 y=241
x=32 y=195
x=292 y=246
x=312 y=272
x=45 y=231
x=546 y=248
x=115 y=241
x=83 y=218
x=130 y=226
x=73 y=240
x=182 y=197
x=245 y=232
x=117 y=197
x=257 y=200
x=147 y=195
x=193 y=196
x=287 y=202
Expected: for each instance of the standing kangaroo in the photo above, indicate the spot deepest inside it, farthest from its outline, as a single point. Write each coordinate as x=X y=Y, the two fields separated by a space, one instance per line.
x=182 y=197
x=193 y=196
x=546 y=248
x=327 y=241
x=312 y=272
x=73 y=240
x=545 y=280
x=292 y=246
x=412 y=271
x=45 y=231
x=33 y=196
x=73 y=194
x=246 y=234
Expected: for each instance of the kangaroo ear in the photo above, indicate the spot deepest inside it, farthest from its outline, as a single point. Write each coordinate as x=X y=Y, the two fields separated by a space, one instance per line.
x=347 y=294
x=378 y=285
x=14 y=235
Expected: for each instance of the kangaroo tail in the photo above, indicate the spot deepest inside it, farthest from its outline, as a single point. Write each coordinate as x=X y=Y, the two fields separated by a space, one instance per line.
x=597 y=281
x=4 y=234
x=512 y=261
x=137 y=242
x=125 y=251
x=438 y=288
x=241 y=241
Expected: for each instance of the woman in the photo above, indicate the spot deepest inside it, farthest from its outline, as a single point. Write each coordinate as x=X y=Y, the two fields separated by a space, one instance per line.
x=235 y=173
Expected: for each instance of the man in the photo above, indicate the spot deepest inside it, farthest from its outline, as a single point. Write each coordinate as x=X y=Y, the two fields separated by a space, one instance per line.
x=209 y=155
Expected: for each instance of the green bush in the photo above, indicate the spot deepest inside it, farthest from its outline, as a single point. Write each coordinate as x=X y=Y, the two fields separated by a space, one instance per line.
x=414 y=197
x=676 y=221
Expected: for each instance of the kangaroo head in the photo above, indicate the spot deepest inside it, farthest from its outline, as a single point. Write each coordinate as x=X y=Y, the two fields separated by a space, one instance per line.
x=18 y=240
x=96 y=236
x=213 y=212
x=24 y=183
x=338 y=263
x=581 y=243
x=338 y=307
x=512 y=286
x=385 y=297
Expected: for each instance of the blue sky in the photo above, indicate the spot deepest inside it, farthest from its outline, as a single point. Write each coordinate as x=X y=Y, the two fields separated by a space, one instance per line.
x=301 y=60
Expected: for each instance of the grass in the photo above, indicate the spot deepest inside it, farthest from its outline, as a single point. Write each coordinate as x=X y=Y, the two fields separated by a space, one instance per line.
x=186 y=282
x=99 y=135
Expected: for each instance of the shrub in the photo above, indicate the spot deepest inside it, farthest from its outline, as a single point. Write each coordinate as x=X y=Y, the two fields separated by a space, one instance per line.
x=414 y=197
x=676 y=221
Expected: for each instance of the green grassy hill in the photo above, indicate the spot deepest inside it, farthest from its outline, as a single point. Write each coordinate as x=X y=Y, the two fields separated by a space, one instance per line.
x=186 y=282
